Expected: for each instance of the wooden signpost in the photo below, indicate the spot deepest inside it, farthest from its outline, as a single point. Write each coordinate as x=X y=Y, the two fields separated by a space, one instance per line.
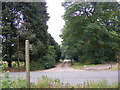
x=27 y=58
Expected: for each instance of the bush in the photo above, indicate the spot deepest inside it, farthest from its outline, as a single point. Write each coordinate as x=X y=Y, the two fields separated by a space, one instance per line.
x=14 y=64
x=35 y=65
x=50 y=58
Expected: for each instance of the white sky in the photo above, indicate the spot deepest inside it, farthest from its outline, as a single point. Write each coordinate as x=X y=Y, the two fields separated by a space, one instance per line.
x=55 y=23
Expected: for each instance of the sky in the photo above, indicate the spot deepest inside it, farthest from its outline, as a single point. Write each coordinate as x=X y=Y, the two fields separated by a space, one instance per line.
x=55 y=23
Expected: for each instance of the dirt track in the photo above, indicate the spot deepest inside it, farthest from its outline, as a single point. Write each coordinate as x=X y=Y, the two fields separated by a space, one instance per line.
x=62 y=67
x=65 y=66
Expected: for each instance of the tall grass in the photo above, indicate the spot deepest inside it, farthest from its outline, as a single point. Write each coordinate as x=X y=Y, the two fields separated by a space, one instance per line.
x=46 y=82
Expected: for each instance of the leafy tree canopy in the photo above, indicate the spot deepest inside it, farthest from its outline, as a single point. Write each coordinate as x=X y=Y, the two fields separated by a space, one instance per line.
x=91 y=33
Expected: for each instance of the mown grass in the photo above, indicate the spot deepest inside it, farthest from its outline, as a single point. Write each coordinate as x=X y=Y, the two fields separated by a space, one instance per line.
x=113 y=69
x=79 y=66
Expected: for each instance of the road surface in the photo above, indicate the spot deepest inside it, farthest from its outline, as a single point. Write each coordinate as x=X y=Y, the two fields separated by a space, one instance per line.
x=67 y=74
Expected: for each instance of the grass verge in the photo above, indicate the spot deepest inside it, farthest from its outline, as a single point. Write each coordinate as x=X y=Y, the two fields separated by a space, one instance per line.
x=45 y=82
x=79 y=66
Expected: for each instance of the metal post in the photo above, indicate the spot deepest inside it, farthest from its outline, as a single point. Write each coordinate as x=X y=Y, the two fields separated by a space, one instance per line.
x=27 y=58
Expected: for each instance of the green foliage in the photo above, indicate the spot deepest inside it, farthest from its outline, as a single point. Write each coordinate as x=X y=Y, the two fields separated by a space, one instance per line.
x=45 y=82
x=50 y=57
x=90 y=34
x=79 y=66
x=1 y=65
x=97 y=84
x=34 y=65
x=7 y=82
x=27 y=21
x=56 y=47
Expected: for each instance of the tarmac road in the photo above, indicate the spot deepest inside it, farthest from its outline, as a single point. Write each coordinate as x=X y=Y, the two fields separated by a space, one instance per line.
x=66 y=74
x=73 y=77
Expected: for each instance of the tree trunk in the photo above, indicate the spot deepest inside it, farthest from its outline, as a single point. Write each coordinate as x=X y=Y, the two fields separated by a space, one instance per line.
x=71 y=62
x=9 y=63
x=18 y=63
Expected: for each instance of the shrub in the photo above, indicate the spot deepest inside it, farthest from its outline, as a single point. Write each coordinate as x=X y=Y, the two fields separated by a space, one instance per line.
x=50 y=57
x=14 y=64
x=35 y=65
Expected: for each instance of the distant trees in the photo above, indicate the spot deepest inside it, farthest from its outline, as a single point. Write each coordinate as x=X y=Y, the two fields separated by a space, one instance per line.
x=91 y=33
x=56 y=47
x=21 y=21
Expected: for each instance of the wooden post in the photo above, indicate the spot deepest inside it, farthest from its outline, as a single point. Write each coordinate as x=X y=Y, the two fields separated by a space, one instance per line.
x=117 y=65
x=27 y=58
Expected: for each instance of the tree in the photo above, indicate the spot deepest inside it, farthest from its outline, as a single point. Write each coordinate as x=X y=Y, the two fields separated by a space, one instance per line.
x=52 y=42
x=9 y=31
x=91 y=31
x=26 y=21
x=50 y=57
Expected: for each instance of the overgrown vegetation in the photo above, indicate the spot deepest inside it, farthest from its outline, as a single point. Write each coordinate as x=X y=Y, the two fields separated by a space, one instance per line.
x=7 y=82
x=91 y=34
x=45 y=82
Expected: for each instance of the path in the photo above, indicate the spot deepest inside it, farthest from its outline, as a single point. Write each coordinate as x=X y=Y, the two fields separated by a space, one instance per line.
x=65 y=66
x=62 y=67
x=67 y=74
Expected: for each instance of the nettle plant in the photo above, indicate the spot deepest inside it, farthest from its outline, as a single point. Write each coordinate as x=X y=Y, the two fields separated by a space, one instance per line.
x=8 y=82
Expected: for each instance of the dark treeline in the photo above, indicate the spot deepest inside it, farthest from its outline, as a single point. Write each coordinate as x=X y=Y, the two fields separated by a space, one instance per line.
x=92 y=31
x=27 y=21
